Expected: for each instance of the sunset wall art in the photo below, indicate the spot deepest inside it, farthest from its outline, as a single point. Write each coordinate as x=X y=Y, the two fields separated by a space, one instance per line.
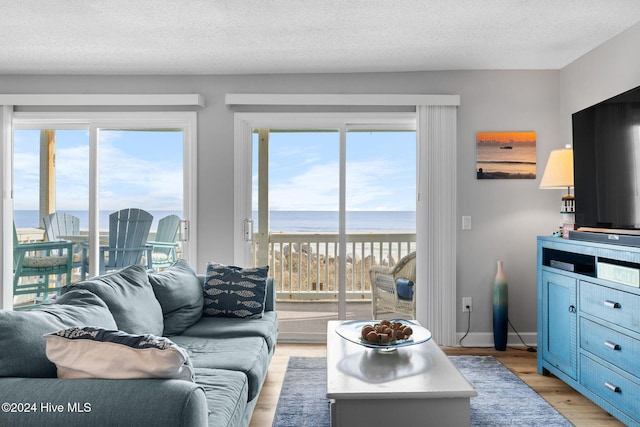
x=506 y=155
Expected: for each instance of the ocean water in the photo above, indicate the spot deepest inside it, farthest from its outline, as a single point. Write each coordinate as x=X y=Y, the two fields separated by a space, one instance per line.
x=521 y=159
x=286 y=221
x=327 y=221
x=31 y=218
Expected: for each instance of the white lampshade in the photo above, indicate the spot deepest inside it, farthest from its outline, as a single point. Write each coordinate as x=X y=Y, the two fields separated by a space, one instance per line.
x=559 y=171
x=559 y=175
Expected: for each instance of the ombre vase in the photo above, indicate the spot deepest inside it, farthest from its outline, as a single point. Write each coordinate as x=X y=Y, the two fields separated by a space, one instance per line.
x=500 y=309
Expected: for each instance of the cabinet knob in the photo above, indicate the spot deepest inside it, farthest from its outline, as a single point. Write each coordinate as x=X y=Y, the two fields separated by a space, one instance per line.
x=614 y=388
x=572 y=309
x=612 y=346
x=612 y=304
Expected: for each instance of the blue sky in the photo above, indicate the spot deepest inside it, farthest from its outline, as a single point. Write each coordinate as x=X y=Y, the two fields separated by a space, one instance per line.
x=144 y=169
x=304 y=169
x=141 y=169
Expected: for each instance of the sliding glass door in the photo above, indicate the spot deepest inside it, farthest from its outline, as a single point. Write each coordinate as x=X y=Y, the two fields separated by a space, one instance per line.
x=327 y=204
x=87 y=167
x=380 y=200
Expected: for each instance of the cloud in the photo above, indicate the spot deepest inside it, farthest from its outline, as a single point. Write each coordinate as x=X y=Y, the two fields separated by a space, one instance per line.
x=370 y=186
x=314 y=190
x=127 y=177
x=304 y=169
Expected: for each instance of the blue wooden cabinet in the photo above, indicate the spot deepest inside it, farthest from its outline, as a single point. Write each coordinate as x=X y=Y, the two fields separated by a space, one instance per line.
x=589 y=321
x=559 y=321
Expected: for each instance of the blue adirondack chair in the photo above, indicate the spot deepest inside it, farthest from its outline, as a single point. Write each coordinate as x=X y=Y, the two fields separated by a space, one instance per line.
x=40 y=259
x=60 y=224
x=165 y=246
x=128 y=234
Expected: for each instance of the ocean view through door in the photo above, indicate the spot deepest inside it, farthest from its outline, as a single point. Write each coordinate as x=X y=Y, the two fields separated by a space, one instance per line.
x=71 y=167
x=302 y=243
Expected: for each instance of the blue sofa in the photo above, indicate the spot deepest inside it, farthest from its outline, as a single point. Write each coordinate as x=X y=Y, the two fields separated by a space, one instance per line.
x=228 y=356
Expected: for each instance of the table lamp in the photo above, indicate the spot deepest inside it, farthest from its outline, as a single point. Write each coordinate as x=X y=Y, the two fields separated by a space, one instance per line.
x=558 y=174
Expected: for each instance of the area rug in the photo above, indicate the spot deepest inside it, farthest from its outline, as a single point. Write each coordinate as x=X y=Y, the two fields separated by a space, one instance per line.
x=503 y=399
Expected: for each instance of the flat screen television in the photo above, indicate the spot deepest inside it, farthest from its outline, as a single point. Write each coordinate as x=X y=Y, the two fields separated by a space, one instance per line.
x=606 y=157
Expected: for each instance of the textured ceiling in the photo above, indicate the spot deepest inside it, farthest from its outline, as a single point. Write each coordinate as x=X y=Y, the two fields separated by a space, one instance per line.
x=301 y=36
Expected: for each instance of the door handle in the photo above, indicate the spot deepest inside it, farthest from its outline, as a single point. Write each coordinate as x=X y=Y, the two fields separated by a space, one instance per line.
x=248 y=230
x=612 y=304
x=614 y=388
x=612 y=346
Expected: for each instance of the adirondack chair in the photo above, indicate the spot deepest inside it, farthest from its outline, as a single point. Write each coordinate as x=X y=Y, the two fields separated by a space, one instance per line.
x=165 y=245
x=60 y=224
x=40 y=259
x=128 y=234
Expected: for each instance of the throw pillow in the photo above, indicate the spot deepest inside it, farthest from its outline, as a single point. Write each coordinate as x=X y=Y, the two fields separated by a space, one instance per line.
x=130 y=297
x=100 y=353
x=179 y=292
x=234 y=292
x=405 y=289
x=23 y=347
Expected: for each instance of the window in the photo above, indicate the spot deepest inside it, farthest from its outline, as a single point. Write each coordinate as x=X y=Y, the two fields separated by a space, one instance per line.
x=93 y=164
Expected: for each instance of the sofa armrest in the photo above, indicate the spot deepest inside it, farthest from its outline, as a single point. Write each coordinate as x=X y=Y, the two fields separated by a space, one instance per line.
x=84 y=402
x=270 y=301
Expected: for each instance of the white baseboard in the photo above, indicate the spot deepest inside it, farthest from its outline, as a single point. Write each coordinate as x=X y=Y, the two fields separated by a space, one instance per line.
x=485 y=339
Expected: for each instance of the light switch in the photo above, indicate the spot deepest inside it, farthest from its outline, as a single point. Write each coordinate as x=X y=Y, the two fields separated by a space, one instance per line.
x=466 y=223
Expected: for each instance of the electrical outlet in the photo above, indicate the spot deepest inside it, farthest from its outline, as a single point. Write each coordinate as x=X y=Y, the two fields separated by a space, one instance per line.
x=467 y=304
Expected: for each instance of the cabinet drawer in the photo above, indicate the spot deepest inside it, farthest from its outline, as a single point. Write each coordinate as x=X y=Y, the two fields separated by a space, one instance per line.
x=616 y=348
x=615 y=389
x=621 y=308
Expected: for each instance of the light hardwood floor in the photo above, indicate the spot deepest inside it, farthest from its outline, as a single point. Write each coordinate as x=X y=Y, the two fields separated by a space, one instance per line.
x=575 y=407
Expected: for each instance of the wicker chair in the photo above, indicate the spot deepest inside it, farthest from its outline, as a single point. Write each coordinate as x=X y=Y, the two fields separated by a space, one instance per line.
x=384 y=293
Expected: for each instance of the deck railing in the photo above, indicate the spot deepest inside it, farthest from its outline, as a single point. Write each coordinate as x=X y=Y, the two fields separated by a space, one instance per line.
x=305 y=265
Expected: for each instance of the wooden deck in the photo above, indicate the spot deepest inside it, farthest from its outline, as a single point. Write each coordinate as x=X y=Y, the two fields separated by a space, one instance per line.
x=306 y=322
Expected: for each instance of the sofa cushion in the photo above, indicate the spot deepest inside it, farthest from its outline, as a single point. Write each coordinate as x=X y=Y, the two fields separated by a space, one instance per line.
x=105 y=403
x=249 y=355
x=100 y=353
x=270 y=299
x=130 y=298
x=231 y=291
x=229 y=327
x=227 y=395
x=21 y=332
x=179 y=292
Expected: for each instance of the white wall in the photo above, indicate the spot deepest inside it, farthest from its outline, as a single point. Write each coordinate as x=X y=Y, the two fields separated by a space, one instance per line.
x=610 y=69
x=507 y=215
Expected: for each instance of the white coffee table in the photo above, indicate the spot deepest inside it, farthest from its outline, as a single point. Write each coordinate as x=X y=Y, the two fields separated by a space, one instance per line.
x=414 y=386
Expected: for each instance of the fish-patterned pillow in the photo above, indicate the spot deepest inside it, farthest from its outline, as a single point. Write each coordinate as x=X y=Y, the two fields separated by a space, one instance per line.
x=234 y=291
